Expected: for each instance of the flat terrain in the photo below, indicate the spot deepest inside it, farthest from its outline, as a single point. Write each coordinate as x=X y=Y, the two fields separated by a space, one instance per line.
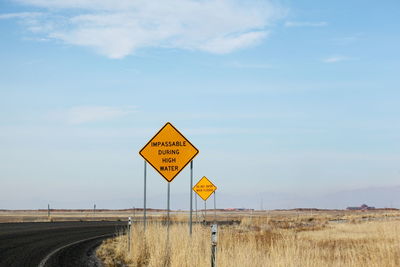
x=251 y=238
x=66 y=215
x=53 y=243
x=282 y=238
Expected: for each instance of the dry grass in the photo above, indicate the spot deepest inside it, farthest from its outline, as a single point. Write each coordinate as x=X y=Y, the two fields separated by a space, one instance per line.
x=17 y=216
x=153 y=248
x=280 y=240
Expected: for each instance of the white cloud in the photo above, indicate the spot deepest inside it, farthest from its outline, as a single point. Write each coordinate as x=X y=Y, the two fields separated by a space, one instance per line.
x=227 y=44
x=305 y=24
x=118 y=28
x=85 y=114
x=20 y=15
x=346 y=40
x=335 y=59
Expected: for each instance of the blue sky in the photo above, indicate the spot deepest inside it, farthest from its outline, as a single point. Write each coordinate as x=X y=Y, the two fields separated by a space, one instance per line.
x=286 y=97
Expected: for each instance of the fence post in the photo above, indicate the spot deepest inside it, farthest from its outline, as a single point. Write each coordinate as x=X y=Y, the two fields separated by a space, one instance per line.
x=214 y=235
x=129 y=233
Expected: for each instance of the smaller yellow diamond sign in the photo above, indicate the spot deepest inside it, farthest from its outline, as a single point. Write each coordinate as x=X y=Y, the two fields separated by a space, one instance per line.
x=168 y=152
x=204 y=188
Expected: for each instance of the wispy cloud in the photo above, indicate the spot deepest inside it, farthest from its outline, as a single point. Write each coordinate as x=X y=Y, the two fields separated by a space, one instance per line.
x=336 y=59
x=87 y=114
x=118 y=28
x=346 y=40
x=305 y=24
x=20 y=15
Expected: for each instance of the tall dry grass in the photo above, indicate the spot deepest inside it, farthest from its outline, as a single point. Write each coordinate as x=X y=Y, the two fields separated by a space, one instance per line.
x=156 y=248
x=261 y=242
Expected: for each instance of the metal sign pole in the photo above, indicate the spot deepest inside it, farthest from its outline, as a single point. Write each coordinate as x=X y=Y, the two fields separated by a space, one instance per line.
x=48 y=210
x=215 y=209
x=168 y=199
x=191 y=198
x=144 y=198
x=167 y=259
x=195 y=204
x=205 y=211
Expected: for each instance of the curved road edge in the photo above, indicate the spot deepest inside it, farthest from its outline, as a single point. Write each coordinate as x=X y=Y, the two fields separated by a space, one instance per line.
x=61 y=244
x=51 y=254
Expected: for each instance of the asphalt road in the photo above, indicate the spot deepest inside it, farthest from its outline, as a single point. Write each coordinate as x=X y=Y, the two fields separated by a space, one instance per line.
x=70 y=244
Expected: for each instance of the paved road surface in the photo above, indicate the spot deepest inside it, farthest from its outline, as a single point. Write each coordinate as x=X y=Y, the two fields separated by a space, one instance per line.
x=58 y=244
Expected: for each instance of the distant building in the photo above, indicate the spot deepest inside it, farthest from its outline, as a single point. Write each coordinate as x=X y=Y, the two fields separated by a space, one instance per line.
x=362 y=207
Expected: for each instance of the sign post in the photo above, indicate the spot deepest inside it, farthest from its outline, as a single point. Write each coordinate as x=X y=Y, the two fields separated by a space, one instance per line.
x=205 y=188
x=168 y=207
x=169 y=152
x=129 y=233
x=191 y=198
x=195 y=204
x=205 y=212
x=214 y=237
x=144 y=198
x=215 y=208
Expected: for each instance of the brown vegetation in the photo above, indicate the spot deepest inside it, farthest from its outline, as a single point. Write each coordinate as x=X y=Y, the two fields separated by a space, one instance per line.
x=60 y=215
x=266 y=239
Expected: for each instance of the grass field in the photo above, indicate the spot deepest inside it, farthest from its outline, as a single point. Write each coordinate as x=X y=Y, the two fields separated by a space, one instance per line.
x=276 y=238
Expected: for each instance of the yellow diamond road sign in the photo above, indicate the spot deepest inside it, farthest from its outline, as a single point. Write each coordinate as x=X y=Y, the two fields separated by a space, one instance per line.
x=168 y=152
x=204 y=188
